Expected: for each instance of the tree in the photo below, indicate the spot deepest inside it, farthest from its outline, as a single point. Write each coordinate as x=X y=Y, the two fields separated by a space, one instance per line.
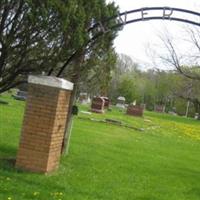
x=96 y=10
x=47 y=36
x=31 y=39
x=191 y=72
x=96 y=77
x=123 y=68
x=188 y=89
x=55 y=36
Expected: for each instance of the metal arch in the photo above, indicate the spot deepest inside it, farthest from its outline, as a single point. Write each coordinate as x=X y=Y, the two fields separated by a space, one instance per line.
x=158 y=18
x=103 y=23
x=157 y=8
x=102 y=27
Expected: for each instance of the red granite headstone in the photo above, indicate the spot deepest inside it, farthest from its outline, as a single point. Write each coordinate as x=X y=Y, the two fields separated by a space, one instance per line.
x=135 y=110
x=98 y=105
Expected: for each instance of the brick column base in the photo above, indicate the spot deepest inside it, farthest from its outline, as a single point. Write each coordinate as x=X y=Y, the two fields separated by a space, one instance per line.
x=44 y=124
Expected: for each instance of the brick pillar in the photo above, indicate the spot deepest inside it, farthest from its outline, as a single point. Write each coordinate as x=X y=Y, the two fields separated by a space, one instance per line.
x=44 y=123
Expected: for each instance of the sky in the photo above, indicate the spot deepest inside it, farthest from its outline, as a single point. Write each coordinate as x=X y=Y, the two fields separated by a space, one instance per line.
x=141 y=40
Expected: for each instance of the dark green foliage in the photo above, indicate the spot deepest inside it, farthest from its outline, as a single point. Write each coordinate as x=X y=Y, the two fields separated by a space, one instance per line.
x=48 y=35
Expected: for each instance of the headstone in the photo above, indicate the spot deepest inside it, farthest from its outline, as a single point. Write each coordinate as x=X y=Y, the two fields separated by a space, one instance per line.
x=159 y=108
x=135 y=110
x=44 y=123
x=97 y=105
x=107 y=102
x=196 y=116
x=21 y=95
x=121 y=102
x=172 y=111
x=83 y=98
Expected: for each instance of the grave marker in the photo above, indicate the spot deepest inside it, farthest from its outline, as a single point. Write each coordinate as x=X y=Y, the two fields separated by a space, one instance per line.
x=121 y=102
x=196 y=116
x=97 y=105
x=135 y=110
x=83 y=98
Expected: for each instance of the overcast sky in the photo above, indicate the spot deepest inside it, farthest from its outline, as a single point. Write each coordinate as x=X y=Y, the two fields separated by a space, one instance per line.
x=135 y=39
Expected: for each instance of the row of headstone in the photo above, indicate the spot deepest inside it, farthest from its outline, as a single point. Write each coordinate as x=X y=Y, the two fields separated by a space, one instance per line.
x=137 y=110
x=132 y=109
x=99 y=104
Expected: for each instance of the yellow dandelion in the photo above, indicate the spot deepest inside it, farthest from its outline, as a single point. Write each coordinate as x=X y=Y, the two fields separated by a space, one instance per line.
x=36 y=193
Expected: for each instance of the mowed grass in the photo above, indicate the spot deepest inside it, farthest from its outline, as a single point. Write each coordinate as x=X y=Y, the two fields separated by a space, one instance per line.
x=108 y=162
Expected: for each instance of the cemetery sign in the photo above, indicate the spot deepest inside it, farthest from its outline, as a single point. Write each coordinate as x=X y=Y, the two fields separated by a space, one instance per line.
x=148 y=13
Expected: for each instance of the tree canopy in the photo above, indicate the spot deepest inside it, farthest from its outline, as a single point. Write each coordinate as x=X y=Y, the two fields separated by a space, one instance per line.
x=49 y=35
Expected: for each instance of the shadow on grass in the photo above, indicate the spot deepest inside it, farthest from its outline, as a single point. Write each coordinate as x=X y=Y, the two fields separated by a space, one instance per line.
x=7 y=150
x=7 y=164
x=3 y=102
x=7 y=157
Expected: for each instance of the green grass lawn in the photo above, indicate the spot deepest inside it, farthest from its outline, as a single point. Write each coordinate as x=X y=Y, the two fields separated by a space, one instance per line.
x=108 y=162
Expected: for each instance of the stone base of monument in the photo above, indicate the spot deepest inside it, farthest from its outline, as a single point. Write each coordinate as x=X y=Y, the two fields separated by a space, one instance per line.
x=135 y=111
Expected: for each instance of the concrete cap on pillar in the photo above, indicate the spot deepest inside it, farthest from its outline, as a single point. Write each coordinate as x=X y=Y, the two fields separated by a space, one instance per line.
x=51 y=81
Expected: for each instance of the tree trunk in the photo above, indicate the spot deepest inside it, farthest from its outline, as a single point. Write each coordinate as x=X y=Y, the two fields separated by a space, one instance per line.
x=187 y=109
x=197 y=108
x=68 y=125
x=69 y=121
x=198 y=111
